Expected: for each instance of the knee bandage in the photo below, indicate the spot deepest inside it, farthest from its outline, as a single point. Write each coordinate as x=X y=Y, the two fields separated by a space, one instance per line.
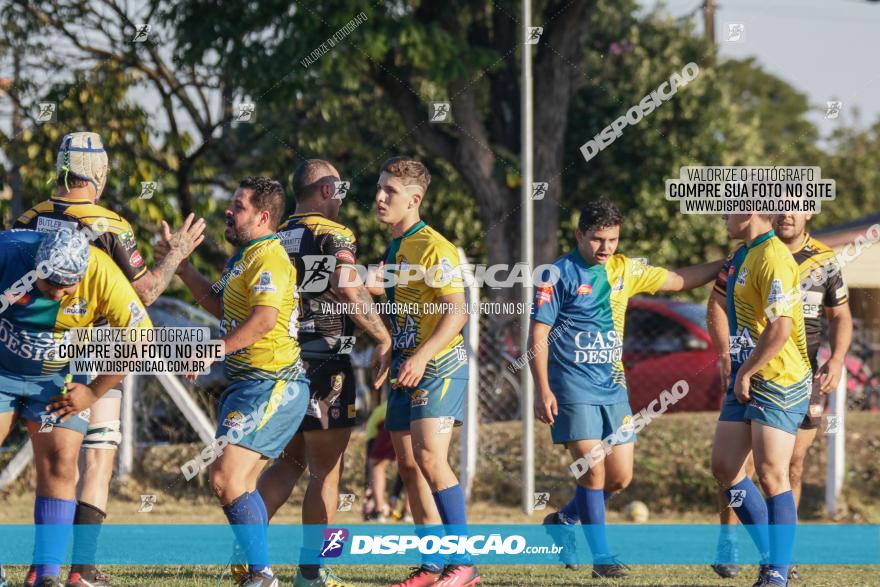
x=105 y=435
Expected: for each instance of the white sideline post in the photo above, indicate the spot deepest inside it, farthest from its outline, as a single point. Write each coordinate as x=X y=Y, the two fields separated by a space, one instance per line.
x=130 y=386
x=190 y=409
x=470 y=428
x=528 y=254
x=836 y=468
x=17 y=465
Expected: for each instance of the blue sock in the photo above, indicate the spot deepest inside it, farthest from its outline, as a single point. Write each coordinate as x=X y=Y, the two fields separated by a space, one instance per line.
x=569 y=512
x=436 y=561
x=450 y=504
x=245 y=515
x=591 y=511
x=752 y=512
x=264 y=513
x=54 y=524
x=782 y=515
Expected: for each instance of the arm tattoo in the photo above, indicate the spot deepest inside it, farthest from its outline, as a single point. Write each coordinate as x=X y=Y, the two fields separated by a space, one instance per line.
x=369 y=321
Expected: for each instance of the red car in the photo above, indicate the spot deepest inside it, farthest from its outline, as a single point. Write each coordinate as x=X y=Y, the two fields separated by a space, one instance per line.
x=666 y=341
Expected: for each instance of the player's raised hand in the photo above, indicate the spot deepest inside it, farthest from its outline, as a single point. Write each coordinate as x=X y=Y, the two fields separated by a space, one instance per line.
x=185 y=239
x=412 y=371
x=741 y=388
x=380 y=364
x=829 y=375
x=546 y=409
x=77 y=398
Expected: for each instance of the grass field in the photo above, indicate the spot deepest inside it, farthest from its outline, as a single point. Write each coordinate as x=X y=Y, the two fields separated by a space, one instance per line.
x=508 y=576
x=671 y=476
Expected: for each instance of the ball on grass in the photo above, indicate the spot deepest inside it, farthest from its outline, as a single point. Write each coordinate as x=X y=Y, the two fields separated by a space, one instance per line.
x=637 y=512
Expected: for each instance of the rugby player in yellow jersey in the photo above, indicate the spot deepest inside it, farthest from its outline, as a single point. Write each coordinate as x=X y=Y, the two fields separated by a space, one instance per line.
x=769 y=392
x=268 y=393
x=53 y=283
x=823 y=292
x=429 y=361
x=81 y=176
x=323 y=252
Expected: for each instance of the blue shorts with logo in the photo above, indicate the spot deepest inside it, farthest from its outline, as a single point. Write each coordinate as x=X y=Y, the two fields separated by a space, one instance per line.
x=28 y=395
x=262 y=415
x=760 y=410
x=433 y=398
x=593 y=422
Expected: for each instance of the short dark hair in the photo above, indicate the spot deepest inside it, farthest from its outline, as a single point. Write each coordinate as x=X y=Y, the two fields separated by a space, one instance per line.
x=308 y=176
x=72 y=181
x=267 y=195
x=409 y=171
x=601 y=213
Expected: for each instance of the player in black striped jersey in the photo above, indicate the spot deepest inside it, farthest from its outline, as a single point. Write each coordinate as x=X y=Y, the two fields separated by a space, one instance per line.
x=324 y=253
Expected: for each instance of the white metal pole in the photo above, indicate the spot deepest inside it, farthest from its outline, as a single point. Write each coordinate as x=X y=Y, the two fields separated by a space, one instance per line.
x=471 y=428
x=127 y=446
x=836 y=466
x=527 y=395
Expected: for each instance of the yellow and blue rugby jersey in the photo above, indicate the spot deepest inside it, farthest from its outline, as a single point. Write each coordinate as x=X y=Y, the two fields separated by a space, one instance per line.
x=260 y=274
x=586 y=306
x=117 y=240
x=30 y=324
x=822 y=285
x=415 y=317
x=763 y=280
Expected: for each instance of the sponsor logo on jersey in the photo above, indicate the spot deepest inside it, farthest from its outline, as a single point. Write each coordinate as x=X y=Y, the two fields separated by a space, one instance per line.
x=79 y=307
x=741 y=345
x=585 y=288
x=345 y=257
x=291 y=239
x=127 y=240
x=777 y=293
x=352 y=411
x=136 y=260
x=234 y=420
x=265 y=284
x=405 y=337
x=138 y=314
x=334 y=413
x=618 y=286
x=544 y=295
x=419 y=398
x=741 y=278
x=598 y=347
x=336 y=382
x=314 y=409
x=54 y=224
x=816 y=410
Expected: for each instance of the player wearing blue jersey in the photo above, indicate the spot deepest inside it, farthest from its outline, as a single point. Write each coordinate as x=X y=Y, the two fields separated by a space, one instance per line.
x=576 y=340
x=52 y=283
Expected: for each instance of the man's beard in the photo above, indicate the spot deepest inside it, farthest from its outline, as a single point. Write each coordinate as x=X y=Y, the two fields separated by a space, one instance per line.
x=238 y=236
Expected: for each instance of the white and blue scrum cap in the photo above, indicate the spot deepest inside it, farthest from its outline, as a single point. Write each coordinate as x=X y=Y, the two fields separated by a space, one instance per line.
x=82 y=155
